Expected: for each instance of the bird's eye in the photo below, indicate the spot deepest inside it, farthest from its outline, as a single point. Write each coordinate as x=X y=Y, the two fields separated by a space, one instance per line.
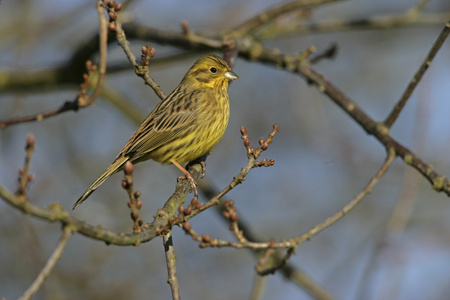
x=213 y=70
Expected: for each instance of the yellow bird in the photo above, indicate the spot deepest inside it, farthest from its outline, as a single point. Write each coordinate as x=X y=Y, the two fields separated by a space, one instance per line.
x=182 y=127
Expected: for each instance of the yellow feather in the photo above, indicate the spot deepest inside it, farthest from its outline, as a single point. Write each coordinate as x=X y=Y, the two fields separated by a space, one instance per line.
x=185 y=125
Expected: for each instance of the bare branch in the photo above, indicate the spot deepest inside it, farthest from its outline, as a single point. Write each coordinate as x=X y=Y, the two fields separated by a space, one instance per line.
x=171 y=267
x=252 y=154
x=379 y=130
x=392 y=117
x=24 y=176
x=69 y=105
x=250 y=26
x=412 y=17
x=135 y=203
x=83 y=99
x=352 y=204
x=295 y=241
x=103 y=51
x=299 y=277
x=56 y=255
x=142 y=71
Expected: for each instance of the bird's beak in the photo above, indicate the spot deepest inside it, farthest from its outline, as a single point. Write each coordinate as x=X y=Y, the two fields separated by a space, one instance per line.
x=231 y=75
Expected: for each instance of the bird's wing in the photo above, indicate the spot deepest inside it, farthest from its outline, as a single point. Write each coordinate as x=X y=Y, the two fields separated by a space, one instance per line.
x=163 y=124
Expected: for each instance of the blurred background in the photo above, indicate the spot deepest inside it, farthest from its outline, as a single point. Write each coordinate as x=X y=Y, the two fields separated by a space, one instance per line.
x=322 y=157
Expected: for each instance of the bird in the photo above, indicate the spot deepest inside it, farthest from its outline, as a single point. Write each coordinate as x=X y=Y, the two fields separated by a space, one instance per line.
x=186 y=125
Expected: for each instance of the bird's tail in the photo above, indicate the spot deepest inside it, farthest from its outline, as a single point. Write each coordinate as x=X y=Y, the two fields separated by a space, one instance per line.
x=112 y=169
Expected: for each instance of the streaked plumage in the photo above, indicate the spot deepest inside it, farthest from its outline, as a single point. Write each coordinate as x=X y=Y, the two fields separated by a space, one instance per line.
x=184 y=126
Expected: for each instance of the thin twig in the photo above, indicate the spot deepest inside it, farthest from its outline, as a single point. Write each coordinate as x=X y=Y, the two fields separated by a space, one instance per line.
x=293 y=273
x=252 y=162
x=56 y=255
x=295 y=241
x=171 y=267
x=417 y=76
x=67 y=106
x=83 y=99
x=103 y=52
x=25 y=177
x=352 y=204
x=378 y=130
x=116 y=26
x=401 y=213
x=250 y=26
x=55 y=213
x=68 y=73
x=413 y=16
x=135 y=204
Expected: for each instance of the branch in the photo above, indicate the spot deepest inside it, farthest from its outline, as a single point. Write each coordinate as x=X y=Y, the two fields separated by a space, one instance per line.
x=378 y=130
x=171 y=267
x=417 y=76
x=135 y=203
x=69 y=105
x=55 y=213
x=250 y=26
x=299 y=277
x=24 y=176
x=292 y=243
x=83 y=99
x=103 y=51
x=56 y=255
x=252 y=154
x=142 y=71
x=352 y=204
x=69 y=73
x=413 y=16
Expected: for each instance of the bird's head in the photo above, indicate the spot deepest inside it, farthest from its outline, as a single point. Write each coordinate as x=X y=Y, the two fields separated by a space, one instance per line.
x=210 y=71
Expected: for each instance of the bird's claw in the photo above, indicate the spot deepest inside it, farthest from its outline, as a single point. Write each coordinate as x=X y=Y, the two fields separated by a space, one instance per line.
x=191 y=181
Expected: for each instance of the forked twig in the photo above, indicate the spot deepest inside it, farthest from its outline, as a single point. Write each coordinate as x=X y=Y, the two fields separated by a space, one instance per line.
x=142 y=71
x=82 y=99
x=295 y=241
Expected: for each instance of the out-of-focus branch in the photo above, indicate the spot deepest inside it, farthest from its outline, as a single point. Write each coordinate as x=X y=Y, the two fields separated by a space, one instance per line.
x=258 y=287
x=83 y=99
x=103 y=51
x=56 y=255
x=250 y=26
x=69 y=105
x=412 y=17
x=68 y=74
x=299 y=277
